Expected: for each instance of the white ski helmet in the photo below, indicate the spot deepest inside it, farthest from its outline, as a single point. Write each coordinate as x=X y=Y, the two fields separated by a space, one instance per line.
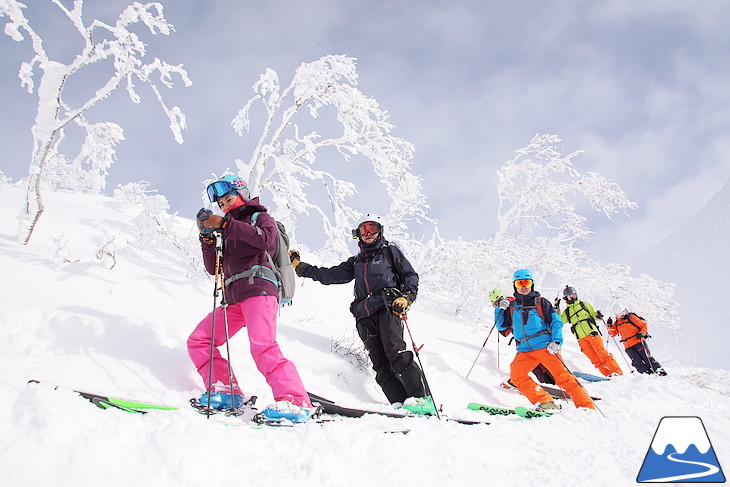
x=369 y=217
x=619 y=309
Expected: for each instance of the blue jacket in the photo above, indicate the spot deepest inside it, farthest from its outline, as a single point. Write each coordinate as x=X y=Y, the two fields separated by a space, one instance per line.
x=529 y=329
x=372 y=274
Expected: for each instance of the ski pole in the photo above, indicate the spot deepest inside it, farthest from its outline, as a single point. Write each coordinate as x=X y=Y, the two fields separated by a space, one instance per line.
x=620 y=351
x=498 y=351
x=649 y=358
x=224 y=307
x=480 y=350
x=218 y=271
x=404 y=319
x=580 y=385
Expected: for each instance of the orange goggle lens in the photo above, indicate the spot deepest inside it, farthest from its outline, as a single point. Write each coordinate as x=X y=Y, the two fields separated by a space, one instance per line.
x=523 y=283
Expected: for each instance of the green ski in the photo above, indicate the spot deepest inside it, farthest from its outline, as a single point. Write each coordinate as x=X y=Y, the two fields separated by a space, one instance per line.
x=493 y=410
x=529 y=413
x=128 y=405
x=502 y=411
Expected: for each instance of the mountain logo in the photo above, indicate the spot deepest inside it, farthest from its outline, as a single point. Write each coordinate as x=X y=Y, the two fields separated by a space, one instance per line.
x=681 y=452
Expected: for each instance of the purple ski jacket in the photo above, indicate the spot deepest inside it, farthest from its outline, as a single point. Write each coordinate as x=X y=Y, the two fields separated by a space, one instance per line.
x=244 y=247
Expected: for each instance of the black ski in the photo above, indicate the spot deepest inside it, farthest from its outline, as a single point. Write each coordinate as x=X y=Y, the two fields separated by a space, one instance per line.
x=330 y=407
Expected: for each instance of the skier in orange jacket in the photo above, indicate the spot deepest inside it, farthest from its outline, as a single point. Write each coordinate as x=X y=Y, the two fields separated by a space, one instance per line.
x=634 y=331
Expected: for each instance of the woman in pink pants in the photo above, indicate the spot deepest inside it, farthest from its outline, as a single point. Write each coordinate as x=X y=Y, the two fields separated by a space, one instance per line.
x=252 y=297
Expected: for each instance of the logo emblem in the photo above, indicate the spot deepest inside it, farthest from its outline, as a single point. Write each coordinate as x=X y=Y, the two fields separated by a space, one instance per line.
x=681 y=452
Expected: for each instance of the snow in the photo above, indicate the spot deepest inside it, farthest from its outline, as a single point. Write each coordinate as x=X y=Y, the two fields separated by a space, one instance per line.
x=69 y=320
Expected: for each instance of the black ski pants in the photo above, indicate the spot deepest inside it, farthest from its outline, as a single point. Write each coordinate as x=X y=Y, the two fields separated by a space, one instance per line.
x=642 y=359
x=395 y=370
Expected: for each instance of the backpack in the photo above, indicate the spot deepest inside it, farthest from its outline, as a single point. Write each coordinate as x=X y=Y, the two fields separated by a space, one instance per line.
x=591 y=321
x=540 y=304
x=280 y=263
x=540 y=309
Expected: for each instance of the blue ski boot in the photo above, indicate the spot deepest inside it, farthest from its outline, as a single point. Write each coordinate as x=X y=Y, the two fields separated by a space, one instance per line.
x=285 y=411
x=221 y=400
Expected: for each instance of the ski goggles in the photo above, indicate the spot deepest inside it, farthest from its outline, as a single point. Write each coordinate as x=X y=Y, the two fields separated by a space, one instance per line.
x=571 y=297
x=523 y=283
x=368 y=228
x=221 y=188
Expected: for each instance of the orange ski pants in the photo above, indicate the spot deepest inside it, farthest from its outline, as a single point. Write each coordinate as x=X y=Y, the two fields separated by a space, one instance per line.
x=592 y=347
x=524 y=362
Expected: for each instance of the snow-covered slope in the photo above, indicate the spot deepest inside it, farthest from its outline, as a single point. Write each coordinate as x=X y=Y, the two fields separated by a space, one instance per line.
x=695 y=257
x=68 y=319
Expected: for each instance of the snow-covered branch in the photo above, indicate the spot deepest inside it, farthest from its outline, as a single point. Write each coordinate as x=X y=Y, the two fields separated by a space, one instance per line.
x=284 y=159
x=102 y=42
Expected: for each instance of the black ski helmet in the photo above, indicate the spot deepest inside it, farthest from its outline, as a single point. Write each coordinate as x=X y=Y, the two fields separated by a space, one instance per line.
x=567 y=292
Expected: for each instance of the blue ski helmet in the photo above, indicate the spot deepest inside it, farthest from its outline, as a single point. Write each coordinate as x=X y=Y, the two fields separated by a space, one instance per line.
x=521 y=274
x=230 y=183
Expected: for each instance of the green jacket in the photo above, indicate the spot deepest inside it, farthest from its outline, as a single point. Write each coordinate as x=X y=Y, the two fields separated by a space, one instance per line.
x=582 y=318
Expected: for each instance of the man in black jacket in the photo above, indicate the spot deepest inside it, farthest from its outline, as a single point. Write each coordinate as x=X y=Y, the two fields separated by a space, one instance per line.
x=385 y=287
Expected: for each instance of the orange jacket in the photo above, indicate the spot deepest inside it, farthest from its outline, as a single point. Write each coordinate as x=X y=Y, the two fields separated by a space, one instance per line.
x=628 y=326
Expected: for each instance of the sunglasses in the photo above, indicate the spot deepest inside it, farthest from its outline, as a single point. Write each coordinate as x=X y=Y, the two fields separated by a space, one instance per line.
x=368 y=228
x=571 y=297
x=523 y=283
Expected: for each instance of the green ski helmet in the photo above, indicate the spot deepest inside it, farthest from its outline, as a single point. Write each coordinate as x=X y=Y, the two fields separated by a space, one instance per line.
x=495 y=294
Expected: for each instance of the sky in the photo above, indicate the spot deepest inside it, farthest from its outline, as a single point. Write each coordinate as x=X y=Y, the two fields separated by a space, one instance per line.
x=642 y=89
x=77 y=319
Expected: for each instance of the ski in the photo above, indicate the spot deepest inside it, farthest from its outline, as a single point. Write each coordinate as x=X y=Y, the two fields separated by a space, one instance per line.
x=493 y=410
x=555 y=392
x=590 y=377
x=143 y=407
x=127 y=405
x=502 y=411
x=530 y=413
x=330 y=407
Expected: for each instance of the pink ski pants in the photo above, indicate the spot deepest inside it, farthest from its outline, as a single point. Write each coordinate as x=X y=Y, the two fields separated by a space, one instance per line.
x=258 y=315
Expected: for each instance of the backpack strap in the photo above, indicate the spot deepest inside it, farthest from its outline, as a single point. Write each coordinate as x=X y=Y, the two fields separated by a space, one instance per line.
x=590 y=319
x=539 y=307
x=270 y=274
x=388 y=253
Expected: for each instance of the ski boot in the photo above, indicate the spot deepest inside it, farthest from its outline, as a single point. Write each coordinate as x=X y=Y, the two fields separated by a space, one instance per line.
x=284 y=412
x=420 y=405
x=548 y=407
x=508 y=385
x=219 y=401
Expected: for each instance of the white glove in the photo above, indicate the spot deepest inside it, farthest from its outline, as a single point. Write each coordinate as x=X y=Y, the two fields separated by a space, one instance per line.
x=553 y=348
x=504 y=303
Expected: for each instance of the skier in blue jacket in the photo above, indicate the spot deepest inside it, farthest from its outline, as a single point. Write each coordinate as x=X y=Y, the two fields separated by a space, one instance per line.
x=538 y=331
x=385 y=286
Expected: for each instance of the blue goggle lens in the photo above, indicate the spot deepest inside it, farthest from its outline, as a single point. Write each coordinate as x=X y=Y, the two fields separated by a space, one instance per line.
x=218 y=189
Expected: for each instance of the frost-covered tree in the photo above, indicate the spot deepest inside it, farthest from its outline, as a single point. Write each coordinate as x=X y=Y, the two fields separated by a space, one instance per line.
x=539 y=228
x=285 y=159
x=536 y=188
x=123 y=50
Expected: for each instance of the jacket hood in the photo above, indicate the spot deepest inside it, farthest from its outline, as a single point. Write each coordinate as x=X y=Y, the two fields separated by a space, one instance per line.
x=248 y=208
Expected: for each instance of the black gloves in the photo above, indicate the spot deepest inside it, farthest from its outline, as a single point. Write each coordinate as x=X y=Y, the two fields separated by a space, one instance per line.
x=640 y=336
x=208 y=222
x=609 y=322
x=599 y=315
